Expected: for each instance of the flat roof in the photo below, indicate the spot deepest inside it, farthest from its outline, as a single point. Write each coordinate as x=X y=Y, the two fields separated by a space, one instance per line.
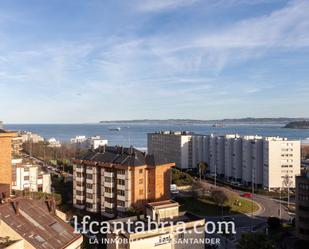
x=163 y=204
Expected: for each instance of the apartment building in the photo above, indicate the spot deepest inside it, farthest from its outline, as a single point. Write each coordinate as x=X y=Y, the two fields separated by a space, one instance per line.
x=6 y=156
x=84 y=142
x=29 y=177
x=30 y=224
x=302 y=206
x=281 y=162
x=170 y=146
x=171 y=236
x=28 y=136
x=111 y=180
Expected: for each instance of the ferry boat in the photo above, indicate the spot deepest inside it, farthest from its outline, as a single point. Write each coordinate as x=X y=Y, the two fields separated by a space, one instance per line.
x=115 y=129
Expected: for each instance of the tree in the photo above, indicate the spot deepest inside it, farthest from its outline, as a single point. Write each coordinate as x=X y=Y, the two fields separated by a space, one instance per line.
x=273 y=223
x=220 y=197
x=202 y=166
x=254 y=241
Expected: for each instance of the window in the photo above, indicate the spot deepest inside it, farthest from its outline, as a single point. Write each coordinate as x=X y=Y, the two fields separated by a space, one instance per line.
x=89 y=196
x=108 y=190
x=121 y=203
x=121 y=182
x=140 y=181
x=79 y=174
x=141 y=192
x=140 y=171
x=89 y=176
x=79 y=192
x=88 y=185
x=88 y=205
x=121 y=171
x=121 y=192
x=108 y=179
x=109 y=200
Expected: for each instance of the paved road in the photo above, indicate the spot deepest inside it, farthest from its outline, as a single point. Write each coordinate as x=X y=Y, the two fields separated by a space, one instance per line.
x=252 y=222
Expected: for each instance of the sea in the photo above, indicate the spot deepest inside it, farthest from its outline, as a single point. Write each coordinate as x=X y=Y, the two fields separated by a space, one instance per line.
x=136 y=134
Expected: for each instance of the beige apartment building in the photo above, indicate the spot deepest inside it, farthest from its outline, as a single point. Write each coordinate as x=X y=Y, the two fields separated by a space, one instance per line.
x=112 y=180
x=179 y=233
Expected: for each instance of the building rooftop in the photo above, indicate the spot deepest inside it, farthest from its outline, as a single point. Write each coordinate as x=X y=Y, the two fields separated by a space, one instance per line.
x=34 y=221
x=135 y=221
x=119 y=155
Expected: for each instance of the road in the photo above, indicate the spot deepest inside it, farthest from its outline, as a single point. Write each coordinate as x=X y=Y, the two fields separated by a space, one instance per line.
x=47 y=166
x=251 y=222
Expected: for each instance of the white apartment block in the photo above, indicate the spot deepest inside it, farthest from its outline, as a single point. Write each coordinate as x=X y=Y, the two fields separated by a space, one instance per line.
x=281 y=161
x=169 y=146
x=28 y=136
x=83 y=142
x=29 y=177
x=263 y=161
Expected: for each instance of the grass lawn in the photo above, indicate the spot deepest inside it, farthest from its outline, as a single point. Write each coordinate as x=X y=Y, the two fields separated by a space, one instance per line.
x=205 y=206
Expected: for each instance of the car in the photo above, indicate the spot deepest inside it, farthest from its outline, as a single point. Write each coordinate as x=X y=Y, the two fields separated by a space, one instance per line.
x=247 y=195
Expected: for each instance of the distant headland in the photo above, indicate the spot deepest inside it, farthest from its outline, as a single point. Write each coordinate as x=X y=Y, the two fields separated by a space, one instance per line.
x=249 y=120
x=304 y=124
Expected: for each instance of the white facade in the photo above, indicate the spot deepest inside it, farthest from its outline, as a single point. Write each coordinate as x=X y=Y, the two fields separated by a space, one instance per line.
x=28 y=136
x=247 y=159
x=88 y=143
x=28 y=177
x=281 y=162
x=53 y=143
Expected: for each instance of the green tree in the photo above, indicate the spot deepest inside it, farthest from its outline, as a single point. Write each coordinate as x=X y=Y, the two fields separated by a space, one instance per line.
x=254 y=241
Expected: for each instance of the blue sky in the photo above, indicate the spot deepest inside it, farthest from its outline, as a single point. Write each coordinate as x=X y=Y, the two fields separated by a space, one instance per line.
x=90 y=60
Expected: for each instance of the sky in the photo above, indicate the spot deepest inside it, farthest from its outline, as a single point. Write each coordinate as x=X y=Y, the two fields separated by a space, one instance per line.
x=80 y=61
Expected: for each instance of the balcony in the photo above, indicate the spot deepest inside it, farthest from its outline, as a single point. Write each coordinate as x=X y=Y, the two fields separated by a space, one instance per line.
x=121 y=176
x=109 y=195
x=121 y=187
x=89 y=190
x=109 y=184
x=79 y=179
x=80 y=188
x=80 y=197
x=121 y=198
x=79 y=169
x=109 y=174
x=109 y=205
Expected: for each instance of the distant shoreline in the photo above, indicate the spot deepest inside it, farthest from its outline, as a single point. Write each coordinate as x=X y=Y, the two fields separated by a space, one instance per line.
x=210 y=122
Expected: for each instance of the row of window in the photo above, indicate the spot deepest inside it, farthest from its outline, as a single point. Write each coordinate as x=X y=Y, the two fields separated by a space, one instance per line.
x=303 y=186
x=303 y=197
x=304 y=208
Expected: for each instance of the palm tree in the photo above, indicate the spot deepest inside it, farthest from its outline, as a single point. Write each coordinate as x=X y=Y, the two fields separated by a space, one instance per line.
x=202 y=166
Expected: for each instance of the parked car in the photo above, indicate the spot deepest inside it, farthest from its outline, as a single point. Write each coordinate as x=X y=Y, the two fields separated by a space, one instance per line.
x=247 y=195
